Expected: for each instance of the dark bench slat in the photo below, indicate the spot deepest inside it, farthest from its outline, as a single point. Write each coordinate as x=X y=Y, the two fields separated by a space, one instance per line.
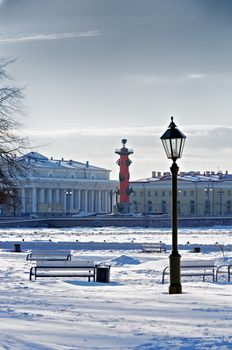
x=40 y=274
x=153 y=247
x=49 y=255
x=194 y=270
x=63 y=269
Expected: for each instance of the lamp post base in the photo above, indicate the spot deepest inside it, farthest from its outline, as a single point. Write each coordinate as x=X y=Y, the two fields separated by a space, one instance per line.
x=175 y=289
x=175 y=285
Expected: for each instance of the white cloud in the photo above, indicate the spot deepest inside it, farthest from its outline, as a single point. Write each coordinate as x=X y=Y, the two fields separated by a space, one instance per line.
x=153 y=131
x=207 y=147
x=148 y=79
x=156 y=79
x=196 y=76
x=135 y=131
x=41 y=37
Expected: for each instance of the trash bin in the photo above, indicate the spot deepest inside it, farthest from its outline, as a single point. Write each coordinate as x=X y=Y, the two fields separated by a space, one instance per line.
x=103 y=274
x=17 y=248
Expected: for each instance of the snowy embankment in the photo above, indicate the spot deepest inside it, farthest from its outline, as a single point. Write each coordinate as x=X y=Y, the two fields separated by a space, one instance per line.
x=133 y=311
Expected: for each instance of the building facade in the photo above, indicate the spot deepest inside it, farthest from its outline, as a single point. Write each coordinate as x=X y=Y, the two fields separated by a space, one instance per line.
x=207 y=194
x=61 y=187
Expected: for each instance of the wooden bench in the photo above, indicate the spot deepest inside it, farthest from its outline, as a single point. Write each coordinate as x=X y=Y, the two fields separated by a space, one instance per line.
x=49 y=255
x=78 y=268
x=191 y=268
x=153 y=248
x=224 y=269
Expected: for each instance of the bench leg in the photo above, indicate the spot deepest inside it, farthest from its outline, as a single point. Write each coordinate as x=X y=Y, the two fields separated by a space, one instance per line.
x=30 y=275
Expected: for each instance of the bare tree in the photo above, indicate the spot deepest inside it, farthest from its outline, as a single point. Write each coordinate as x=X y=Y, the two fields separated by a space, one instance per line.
x=11 y=143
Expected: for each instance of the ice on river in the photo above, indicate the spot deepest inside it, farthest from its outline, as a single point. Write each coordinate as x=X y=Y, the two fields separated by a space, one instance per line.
x=133 y=311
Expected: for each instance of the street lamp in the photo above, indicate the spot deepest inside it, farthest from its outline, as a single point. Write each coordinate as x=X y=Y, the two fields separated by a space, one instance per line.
x=117 y=192
x=207 y=190
x=68 y=194
x=173 y=141
x=220 y=192
x=111 y=193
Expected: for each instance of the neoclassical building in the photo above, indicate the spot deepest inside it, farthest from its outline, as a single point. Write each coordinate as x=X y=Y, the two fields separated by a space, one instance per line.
x=208 y=194
x=58 y=187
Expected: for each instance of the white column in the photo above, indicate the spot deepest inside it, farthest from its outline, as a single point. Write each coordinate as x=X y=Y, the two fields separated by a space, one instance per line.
x=49 y=196
x=57 y=196
x=78 y=199
x=71 y=200
x=91 y=201
x=23 y=201
x=99 y=208
x=49 y=200
x=34 y=200
x=95 y=201
x=42 y=195
x=86 y=201
x=106 y=201
x=64 y=201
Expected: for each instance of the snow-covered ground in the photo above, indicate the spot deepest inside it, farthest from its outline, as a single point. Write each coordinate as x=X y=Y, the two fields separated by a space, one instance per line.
x=133 y=311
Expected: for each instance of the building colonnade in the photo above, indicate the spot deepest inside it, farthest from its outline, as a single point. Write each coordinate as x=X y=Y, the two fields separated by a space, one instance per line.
x=44 y=200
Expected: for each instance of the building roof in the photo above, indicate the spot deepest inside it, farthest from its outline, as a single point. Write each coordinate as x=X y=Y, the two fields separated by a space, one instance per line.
x=191 y=177
x=37 y=160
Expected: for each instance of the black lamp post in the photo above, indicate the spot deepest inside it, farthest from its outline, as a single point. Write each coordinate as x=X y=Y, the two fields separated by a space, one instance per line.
x=68 y=194
x=173 y=141
x=220 y=192
x=207 y=190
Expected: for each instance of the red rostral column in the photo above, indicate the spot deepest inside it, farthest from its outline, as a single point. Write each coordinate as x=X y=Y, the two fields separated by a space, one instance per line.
x=124 y=176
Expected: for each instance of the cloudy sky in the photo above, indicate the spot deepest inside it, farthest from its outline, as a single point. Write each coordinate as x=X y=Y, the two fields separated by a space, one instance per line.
x=97 y=71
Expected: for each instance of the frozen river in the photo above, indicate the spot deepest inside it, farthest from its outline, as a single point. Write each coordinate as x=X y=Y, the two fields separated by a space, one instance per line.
x=133 y=311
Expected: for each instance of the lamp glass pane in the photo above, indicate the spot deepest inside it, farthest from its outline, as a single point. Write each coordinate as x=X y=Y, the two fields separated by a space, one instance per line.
x=175 y=145
x=181 y=147
x=167 y=147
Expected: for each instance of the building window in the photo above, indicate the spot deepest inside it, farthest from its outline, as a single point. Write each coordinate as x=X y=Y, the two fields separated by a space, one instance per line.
x=149 y=193
x=192 y=193
x=228 y=193
x=192 y=207
x=228 y=207
x=178 y=207
x=163 y=207
x=207 y=207
x=185 y=193
x=163 y=194
x=156 y=193
x=149 y=206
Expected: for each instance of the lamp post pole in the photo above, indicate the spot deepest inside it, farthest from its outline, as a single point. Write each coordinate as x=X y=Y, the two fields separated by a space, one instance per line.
x=220 y=192
x=173 y=141
x=207 y=190
x=68 y=194
x=111 y=200
x=174 y=258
